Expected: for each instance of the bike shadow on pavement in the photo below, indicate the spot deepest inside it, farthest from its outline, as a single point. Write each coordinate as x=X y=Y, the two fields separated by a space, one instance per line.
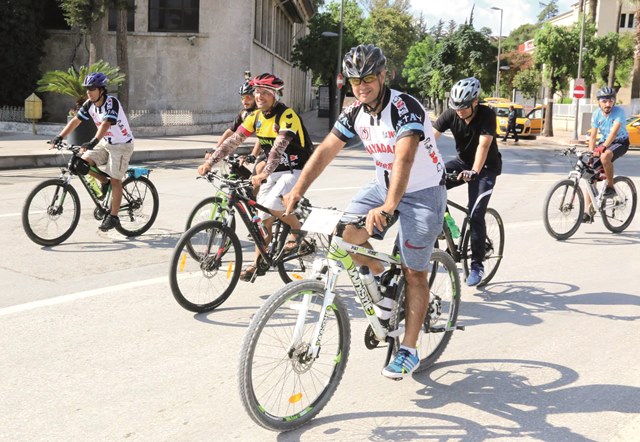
x=520 y=303
x=114 y=241
x=393 y=425
x=525 y=393
x=605 y=238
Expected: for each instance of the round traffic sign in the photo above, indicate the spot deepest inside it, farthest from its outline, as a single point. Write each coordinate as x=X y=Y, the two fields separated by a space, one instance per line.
x=340 y=81
x=578 y=91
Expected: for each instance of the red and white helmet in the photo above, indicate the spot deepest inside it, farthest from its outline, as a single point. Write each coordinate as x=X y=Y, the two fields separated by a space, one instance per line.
x=268 y=81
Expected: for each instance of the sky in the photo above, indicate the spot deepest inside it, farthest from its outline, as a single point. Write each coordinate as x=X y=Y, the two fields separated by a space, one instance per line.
x=515 y=12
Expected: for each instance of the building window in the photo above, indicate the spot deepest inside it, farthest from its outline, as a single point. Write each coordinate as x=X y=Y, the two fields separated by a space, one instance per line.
x=113 y=17
x=626 y=21
x=174 y=15
x=284 y=34
x=273 y=28
x=264 y=22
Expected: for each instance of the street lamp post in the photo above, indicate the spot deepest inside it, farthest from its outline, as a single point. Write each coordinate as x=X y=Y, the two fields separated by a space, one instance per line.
x=577 y=100
x=339 y=67
x=499 y=47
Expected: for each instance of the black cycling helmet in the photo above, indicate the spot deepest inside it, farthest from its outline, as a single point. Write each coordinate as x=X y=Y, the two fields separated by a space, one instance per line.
x=363 y=60
x=464 y=92
x=246 y=88
x=95 y=79
x=606 y=92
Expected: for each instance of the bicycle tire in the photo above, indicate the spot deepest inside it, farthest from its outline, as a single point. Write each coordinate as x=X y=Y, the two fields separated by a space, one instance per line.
x=561 y=219
x=494 y=247
x=202 y=283
x=444 y=304
x=263 y=370
x=622 y=207
x=209 y=209
x=138 y=212
x=41 y=215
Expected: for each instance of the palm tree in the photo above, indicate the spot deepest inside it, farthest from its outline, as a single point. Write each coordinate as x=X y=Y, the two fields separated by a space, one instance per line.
x=70 y=82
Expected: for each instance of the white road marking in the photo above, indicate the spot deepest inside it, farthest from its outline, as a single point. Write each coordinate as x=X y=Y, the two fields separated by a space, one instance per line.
x=79 y=295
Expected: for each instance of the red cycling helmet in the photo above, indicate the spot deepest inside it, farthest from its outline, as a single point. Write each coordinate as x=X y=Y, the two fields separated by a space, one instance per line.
x=268 y=81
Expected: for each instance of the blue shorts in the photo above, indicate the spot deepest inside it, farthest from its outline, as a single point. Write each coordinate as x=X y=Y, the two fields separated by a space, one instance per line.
x=421 y=217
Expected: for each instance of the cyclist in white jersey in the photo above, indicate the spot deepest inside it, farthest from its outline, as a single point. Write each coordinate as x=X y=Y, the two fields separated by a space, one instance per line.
x=112 y=144
x=397 y=133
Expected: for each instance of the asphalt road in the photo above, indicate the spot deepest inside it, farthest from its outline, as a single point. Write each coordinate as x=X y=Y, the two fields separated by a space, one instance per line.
x=94 y=347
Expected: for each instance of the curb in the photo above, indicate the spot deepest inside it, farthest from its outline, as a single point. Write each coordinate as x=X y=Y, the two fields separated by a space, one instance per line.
x=139 y=156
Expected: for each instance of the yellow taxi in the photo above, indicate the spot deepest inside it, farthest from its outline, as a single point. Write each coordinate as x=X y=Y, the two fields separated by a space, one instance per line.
x=633 y=127
x=536 y=117
x=523 y=123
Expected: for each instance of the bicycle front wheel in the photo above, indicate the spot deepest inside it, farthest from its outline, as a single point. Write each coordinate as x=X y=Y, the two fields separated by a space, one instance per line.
x=493 y=247
x=51 y=212
x=281 y=385
x=139 y=207
x=440 y=320
x=563 y=209
x=212 y=208
x=617 y=212
x=205 y=266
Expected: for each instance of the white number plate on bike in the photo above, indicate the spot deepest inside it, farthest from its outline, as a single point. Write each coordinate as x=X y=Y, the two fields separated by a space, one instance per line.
x=322 y=221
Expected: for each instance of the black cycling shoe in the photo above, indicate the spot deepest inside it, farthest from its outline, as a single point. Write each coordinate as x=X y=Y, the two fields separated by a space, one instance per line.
x=109 y=222
x=609 y=192
x=586 y=218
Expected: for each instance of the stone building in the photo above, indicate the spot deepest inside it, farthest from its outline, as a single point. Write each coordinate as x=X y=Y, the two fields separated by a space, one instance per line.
x=189 y=56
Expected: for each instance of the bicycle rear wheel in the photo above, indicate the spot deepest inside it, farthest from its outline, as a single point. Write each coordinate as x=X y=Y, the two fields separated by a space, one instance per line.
x=281 y=386
x=51 y=212
x=139 y=207
x=440 y=321
x=493 y=246
x=617 y=212
x=563 y=209
x=203 y=278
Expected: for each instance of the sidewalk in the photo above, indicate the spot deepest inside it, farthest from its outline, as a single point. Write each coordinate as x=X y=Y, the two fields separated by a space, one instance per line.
x=25 y=150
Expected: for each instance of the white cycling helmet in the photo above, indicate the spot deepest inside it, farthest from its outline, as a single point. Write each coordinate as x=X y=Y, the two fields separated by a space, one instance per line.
x=464 y=92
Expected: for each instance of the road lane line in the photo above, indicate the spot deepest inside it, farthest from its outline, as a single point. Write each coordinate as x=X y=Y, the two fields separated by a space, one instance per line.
x=79 y=295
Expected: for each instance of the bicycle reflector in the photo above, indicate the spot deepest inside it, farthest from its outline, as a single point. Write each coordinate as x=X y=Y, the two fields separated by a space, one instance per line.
x=78 y=166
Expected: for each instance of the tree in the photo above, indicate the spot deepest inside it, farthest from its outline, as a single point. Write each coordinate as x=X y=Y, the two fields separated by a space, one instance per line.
x=22 y=35
x=528 y=81
x=518 y=36
x=553 y=49
x=317 y=53
x=550 y=10
x=122 y=53
x=89 y=17
x=390 y=26
x=635 y=82
x=70 y=82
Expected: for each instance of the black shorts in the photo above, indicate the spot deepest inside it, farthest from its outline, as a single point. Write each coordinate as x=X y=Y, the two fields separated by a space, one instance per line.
x=618 y=147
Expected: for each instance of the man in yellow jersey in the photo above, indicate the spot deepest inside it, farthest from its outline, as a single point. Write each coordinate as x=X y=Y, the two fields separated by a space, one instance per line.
x=287 y=147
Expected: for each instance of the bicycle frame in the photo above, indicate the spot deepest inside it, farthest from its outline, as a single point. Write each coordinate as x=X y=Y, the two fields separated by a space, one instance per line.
x=338 y=259
x=453 y=247
x=246 y=208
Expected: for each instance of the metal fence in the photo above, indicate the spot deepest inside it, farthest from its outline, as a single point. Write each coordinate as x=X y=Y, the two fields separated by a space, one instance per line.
x=140 y=118
x=13 y=114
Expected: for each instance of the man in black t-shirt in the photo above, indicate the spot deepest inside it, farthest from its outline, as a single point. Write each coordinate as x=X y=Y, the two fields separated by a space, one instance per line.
x=478 y=162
